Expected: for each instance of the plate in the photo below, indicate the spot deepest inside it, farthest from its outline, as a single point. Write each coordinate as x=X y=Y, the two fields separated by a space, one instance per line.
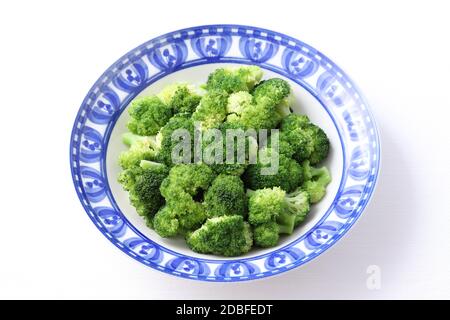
x=323 y=92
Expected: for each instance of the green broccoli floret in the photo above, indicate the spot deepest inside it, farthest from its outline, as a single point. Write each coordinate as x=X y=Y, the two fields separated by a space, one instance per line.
x=211 y=111
x=266 y=235
x=289 y=175
x=180 y=216
x=190 y=178
x=297 y=203
x=234 y=79
x=316 y=180
x=308 y=140
x=143 y=183
x=178 y=121
x=148 y=115
x=180 y=97
x=270 y=103
x=225 y=235
x=141 y=148
x=321 y=144
x=226 y=196
x=235 y=167
x=274 y=92
x=273 y=212
x=183 y=191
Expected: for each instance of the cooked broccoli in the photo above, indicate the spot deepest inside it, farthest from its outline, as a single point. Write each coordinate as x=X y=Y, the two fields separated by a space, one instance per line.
x=190 y=178
x=183 y=190
x=141 y=148
x=148 y=115
x=234 y=79
x=179 y=216
x=289 y=175
x=269 y=104
x=225 y=235
x=308 y=140
x=233 y=168
x=266 y=235
x=316 y=181
x=143 y=182
x=218 y=207
x=273 y=211
x=211 y=111
x=274 y=92
x=180 y=97
x=178 y=121
x=297 y=203
x=226 y=196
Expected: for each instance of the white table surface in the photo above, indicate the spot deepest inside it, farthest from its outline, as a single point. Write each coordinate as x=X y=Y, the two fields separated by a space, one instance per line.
x=53 y=51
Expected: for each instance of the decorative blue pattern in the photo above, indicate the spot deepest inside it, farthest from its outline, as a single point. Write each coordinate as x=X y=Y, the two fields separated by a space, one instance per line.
x=235 y=44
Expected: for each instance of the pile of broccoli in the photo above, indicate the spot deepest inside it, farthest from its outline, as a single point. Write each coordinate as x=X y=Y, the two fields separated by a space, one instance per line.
x=223 y=208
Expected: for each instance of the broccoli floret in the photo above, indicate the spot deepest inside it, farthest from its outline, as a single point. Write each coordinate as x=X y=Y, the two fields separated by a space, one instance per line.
x=297 y=203
x=225 y=235
x=211 y=111
x=141 y=148
x=266 y=235
x=183 y=190
x=308 y=140
x=234 y=168
x=166 y=223
x=180 y=216
x=148 y=115
x=180 y=97
x=178 y=121
x=321 y=144
x=273 y=212
x=270 y=103
x=190 y=178
x=275 y=92
x=316 y=180
x=143 y=183
x=226 y=196
x=289 y=175
x=234 y=79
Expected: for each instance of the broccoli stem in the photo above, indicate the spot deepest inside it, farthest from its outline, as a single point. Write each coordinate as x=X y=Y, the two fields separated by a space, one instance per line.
x=146 y=164
x=286 y=222
x=129 y=138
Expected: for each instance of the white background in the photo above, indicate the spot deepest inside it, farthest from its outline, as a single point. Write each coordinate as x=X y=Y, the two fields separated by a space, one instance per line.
x=52 y=52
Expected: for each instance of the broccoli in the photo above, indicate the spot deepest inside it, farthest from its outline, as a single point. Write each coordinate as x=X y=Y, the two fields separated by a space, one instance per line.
x=178 y=121
x=234 y=168
x=143 y=183
x=180 y=97
x=180 y=216
x=218 y=207
x=266 y=235
x=211 y=111
x=308 y=140
x=269 y=104
x=141 y=148
x=190 y=178
x=148 y=115
x=183 y=191
x=226 y=196
x=273 y=212
x=225 y=235
x=274 y=92
x=316 y=180
x=234 y=79
x=289 y=175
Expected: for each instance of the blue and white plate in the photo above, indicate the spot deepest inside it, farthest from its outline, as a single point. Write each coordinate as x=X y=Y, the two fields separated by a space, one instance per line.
x=322 y=90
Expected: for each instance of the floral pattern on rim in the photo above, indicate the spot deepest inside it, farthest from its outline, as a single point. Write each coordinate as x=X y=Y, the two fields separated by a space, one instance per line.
x=235 y=44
